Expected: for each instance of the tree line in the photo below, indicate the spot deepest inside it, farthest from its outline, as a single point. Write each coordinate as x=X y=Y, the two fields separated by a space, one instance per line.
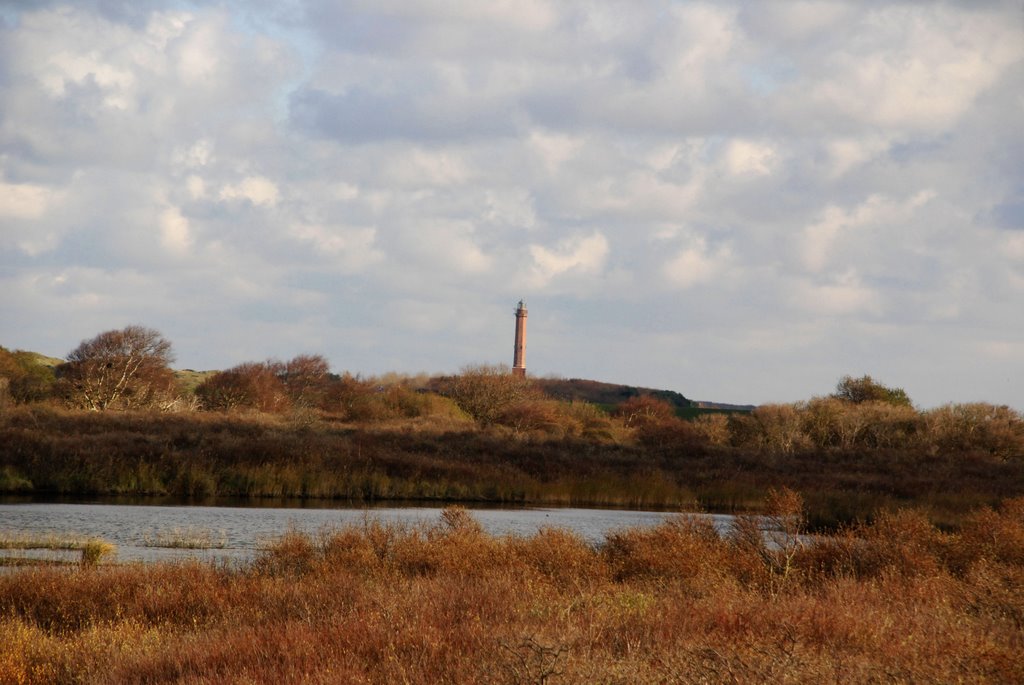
x=129 y=369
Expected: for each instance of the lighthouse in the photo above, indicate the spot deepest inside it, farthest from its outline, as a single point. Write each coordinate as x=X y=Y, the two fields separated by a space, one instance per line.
x=519 y=354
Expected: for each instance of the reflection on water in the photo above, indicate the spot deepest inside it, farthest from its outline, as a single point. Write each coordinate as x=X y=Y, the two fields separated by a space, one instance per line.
x=243 y=529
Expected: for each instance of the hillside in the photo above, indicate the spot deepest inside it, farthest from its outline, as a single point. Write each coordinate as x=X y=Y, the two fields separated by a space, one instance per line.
x=607 y=395
x=610 y=395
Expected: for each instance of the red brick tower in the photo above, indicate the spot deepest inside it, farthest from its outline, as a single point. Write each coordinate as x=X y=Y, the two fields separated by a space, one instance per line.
x=519 y=355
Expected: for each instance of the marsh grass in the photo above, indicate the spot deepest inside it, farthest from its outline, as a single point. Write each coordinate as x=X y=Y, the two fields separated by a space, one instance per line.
x=894 y=600
x=92 y=550
x=186 y=538
x=727 y=467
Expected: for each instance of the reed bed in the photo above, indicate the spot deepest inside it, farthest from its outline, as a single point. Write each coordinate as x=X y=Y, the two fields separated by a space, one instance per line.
x=896 y=600
x=92 y=550
x=186 y=538
x=47 y=450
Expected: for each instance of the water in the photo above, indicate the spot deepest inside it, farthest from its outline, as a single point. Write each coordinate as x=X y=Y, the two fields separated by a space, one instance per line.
x=244 y=529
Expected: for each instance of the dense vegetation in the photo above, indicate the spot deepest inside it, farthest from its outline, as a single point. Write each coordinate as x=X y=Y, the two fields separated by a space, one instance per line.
x=892 y=594
x=894 y=601
x=111 y=421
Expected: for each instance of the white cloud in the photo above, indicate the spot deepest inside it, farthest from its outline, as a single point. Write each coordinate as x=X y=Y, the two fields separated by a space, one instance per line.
x=579 y=255
x=174 y=229
x=423 y=167
x=1014 y=246
x=745 y=157
x=24 y=200
x=256 y=189
x=837 y=176
x=911 y=70
x=843 y=295
x=198 y=154
x=196 y=186
x=820 y=238
x=354 y=247
x=697 y=264
x=846 y=154
x=553 y=149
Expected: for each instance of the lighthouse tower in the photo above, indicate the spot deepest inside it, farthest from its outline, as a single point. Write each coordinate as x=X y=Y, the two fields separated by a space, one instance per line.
x=519 y=355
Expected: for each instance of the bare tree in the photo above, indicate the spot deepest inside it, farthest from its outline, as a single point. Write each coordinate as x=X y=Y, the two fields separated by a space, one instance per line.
x=125 y=369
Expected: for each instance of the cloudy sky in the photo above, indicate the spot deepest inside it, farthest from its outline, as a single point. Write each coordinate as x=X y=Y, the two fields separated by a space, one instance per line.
x=738 y=200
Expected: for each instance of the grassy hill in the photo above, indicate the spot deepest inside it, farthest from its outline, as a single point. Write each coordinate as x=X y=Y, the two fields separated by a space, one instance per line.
x=607 y=395
x=189 y=379
x=610 y=395
x=43 y=360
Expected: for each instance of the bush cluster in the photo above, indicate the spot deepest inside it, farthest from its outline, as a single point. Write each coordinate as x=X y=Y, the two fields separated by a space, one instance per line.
x=828 y=423
x=893 y=601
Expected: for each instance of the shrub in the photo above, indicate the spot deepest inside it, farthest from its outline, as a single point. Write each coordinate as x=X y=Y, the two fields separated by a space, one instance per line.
x=713 y=428
x=681 y=547
x=594 y=422
x=672 y=435
x=94 y=550
x=976 y=427
x=866 y=389
x=538 y=415
x=641 y=410
x=252 y=385
x=994 y=535
x=766 y=548
x=486 y=391
x=22 y=378
x=904 y=543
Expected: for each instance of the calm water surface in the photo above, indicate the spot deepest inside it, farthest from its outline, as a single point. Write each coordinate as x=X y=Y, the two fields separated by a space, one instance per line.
x=243 y=530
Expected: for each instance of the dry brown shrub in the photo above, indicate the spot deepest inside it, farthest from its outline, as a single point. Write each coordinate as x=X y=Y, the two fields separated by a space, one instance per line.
x=350 y=550
x=464 y=549
x=485 y=391
x=546 y=609
x=829 y=557
x=766 y=549
x=414 y=554
x=558 y=556
x=252 y=385
x=713 y=428
x=821 y=419
x=890 y=426
x=988 y=428
x=673 y=435
x=832 y=422
x=903 y=542
x=594 y=422
x=992 y=535
x=540 y=415
x=779 y=428
x=643 y=409
x=993 y=589
x=294 y=553
x=681 y=547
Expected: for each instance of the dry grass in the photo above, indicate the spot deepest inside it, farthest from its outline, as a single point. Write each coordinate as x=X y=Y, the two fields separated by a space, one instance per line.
x=896 y=601
x=186 y=538
x=92 y=550
x=850 y=461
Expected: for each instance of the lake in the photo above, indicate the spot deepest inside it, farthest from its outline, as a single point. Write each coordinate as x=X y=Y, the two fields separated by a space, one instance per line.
x=239 y=531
